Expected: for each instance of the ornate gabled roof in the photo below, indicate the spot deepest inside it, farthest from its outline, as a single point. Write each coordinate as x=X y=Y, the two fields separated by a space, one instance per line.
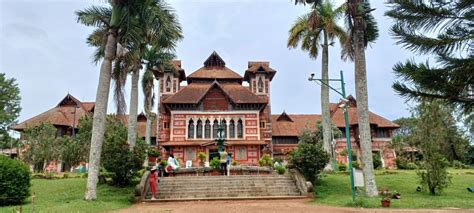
x=179 y=72
x=195 y=92
x=214 y=69
x=255 y=67
x=66 y=113
x=214 y=60
x=284 y=117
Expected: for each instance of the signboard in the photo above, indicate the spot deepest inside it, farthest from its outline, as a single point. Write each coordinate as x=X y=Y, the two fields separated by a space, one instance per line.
x=358 y=177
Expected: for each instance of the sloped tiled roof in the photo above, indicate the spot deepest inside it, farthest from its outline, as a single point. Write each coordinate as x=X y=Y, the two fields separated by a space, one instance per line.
x=259 y=67
x=61 y=115
x=337 y=116
x=193 y=93
x=295 y=127
x=214 y=73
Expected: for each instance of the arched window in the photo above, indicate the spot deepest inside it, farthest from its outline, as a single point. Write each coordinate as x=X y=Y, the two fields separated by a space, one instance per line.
x=224 y=124
x=214 y=129
x=199 y=129
x=232 y=129
x=191 y=129
x=260 y=85
x=168 y=84
x=207 y=129
x=240 y=129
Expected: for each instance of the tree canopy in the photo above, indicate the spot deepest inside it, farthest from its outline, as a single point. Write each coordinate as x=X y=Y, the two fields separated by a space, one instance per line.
x=444 y=29
x=9 y=105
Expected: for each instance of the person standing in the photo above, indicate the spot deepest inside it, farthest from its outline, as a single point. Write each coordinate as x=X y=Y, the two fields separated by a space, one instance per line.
x=153 y=179
x=223 y=162
x=228 y=162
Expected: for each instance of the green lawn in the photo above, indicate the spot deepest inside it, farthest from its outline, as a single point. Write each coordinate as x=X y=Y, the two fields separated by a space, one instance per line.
x=335 y=190
x=66 y=195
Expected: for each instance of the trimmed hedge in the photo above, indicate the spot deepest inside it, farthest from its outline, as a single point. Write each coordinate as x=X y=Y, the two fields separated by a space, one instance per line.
x=14 y=181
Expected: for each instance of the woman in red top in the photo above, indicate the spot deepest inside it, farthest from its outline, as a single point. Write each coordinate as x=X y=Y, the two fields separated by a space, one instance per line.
x=153 y=181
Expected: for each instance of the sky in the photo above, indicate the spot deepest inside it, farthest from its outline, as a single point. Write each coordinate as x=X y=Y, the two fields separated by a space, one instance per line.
x=43 y=47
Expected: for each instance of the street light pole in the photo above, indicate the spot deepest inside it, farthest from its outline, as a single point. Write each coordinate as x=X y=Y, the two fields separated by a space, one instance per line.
x=346 y=121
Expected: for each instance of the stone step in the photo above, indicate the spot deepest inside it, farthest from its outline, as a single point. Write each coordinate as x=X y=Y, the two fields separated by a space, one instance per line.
x=203 y=187
x=224 y=183
x=227 y=198
x=217 y=191
x=159 y=196
x=220 y=178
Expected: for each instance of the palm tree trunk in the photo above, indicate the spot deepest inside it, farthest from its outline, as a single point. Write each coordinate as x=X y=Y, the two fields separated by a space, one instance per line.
x=132 y=118
x=100 y=112
x=149 y=120
x=362 y=107
x=325 y=104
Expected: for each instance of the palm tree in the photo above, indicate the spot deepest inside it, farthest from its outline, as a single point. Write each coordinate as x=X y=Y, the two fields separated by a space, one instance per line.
x=123 y=22
x=158 y=28
x=156 y=60
x=362 y=31
x=319 y=27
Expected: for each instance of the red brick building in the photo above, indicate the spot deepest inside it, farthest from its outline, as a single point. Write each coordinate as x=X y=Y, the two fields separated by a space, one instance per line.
x=189 y=115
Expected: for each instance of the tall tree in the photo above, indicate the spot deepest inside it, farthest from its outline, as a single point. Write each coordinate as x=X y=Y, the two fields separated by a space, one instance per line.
x=9 y=105
x=120 y=26
x=319 y=28
x=156 y=60
x=444 y=29
x=362 y=31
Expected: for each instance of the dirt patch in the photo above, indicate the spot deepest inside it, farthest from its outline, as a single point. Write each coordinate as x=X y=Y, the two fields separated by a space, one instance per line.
x=250 y=206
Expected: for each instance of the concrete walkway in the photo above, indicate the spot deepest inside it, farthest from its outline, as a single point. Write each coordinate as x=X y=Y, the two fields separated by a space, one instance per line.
x=291 y=206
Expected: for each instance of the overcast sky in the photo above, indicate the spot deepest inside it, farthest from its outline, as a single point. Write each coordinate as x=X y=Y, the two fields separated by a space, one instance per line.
x=43 y=47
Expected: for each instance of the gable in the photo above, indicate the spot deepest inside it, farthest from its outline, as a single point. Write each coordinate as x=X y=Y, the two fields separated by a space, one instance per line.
x=215 y=99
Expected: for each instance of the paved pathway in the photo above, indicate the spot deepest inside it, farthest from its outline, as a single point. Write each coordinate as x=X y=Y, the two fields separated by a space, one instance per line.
x=290 y=206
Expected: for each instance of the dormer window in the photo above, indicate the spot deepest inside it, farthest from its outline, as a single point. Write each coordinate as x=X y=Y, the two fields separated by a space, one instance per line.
x=168 y=84
x=260 y=85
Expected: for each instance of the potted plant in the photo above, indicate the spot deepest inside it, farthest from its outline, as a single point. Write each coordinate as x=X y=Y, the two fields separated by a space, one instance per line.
x=386 y=199
x=152 y=154
x=396 y=195
x=202 y=158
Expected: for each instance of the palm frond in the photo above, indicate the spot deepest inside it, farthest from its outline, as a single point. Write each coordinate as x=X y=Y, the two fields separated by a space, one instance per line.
x=95 y=16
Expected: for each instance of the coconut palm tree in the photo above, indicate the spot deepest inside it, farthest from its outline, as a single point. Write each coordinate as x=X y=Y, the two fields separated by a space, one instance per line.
x=156 y=60
x=362 y=31
x=123 y=22
x=319 y=28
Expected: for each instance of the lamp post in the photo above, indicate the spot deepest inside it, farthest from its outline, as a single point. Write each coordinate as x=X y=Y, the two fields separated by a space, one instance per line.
x=344 y=107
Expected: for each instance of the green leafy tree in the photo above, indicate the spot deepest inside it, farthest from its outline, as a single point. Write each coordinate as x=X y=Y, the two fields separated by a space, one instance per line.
x=14 y=181
x=319 y=28
x=9 y=107
x=431 y=132
x=41 y=145
x=443 y=29
x=118 y=158
x=309 y=157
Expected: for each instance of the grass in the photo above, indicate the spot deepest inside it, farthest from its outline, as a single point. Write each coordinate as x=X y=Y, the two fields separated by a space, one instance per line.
x=334 y=189
x=66 y=195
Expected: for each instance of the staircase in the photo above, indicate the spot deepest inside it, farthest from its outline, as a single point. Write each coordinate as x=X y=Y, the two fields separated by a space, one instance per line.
x=225 y=188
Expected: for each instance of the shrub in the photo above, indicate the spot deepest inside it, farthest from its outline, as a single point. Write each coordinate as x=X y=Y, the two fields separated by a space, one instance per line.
x=402 y=163
x=118 y=158
x=342 y=167
x=202 y=156
x=356 y=164
x=280 y=169
x=152 y=152
x=459 y=165
x=215 y=163
x=309 y=157
x=377 y=161
x=15 y=181
x=164 y=163
x=266 y=160
x=234 y=163
x=411 y=166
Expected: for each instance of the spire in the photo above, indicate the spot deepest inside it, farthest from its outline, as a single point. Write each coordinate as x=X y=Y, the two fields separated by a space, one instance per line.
x=214 y=60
